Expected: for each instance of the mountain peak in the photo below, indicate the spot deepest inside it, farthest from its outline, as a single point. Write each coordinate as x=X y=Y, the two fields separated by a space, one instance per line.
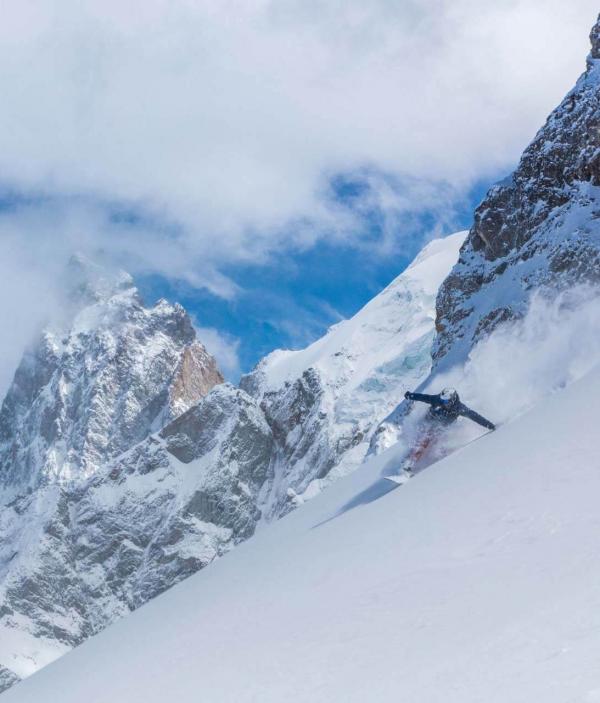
x=595 y=39
x=85 y=279
x=536 y=229
x=100 y=378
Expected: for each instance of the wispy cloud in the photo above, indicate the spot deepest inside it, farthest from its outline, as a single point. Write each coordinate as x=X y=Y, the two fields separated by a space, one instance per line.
x=224 y=348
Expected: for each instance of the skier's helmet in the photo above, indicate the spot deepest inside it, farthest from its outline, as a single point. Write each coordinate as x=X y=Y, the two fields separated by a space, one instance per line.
x=448 y=395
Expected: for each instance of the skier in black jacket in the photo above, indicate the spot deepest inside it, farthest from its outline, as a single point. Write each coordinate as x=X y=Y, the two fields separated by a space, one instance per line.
x=445 y=409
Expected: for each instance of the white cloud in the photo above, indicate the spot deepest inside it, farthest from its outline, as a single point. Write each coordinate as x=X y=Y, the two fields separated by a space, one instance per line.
x=27 y=297
x=224 y=348
x=228 y=117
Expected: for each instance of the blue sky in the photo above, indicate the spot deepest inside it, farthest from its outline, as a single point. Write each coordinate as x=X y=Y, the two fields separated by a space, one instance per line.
x=292 y=300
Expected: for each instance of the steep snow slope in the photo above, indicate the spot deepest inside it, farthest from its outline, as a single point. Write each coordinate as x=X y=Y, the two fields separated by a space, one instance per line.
x=477 y=581
x=324 y=402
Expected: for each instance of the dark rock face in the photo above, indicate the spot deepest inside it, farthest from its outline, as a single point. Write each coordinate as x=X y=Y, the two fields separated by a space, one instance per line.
x=76 y=558
x=304 y=450
x=97 y=384
x=7 y=679
x=595 y=41
x=538 y=228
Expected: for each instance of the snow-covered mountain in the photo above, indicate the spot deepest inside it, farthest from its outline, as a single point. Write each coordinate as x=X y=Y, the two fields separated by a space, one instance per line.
x=102 y=376
x=122 y=474
x=100 y=379
x=107 y=509
x=477 y=581
x=324 y=402
x=539 y=227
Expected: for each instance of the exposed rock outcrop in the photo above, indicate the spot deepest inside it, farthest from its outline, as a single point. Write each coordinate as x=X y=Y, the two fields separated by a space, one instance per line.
x=98 y=381
x=539 y=227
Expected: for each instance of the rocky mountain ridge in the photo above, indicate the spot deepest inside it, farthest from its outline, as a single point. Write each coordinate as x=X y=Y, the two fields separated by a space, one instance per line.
x=324 y=402
x=100 y=378
x=103 y=375
x=538 y=229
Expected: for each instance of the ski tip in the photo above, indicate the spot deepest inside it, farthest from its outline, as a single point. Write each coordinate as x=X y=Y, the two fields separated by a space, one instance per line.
x=399 y=479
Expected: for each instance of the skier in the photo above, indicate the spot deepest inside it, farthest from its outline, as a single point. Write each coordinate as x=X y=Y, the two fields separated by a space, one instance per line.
x=445 y=409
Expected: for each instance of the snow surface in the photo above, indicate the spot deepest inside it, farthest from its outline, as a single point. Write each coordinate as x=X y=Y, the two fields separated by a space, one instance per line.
x=477 y=581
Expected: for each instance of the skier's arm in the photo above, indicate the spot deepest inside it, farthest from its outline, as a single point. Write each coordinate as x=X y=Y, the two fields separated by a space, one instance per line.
x=423 y=397
x=476 y=417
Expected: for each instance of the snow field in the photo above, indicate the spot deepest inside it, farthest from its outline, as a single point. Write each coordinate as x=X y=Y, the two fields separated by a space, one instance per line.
x=477 y=581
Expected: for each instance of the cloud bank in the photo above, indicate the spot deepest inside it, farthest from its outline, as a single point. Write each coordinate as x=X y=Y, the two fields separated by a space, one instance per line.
x=181 y=137
x=227 y=119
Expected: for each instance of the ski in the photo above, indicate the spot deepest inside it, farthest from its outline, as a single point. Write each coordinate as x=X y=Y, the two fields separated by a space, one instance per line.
x=405 y=475
x=401 y=478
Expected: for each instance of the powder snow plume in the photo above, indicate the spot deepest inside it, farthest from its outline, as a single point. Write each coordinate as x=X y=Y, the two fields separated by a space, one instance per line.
x=553 y=345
